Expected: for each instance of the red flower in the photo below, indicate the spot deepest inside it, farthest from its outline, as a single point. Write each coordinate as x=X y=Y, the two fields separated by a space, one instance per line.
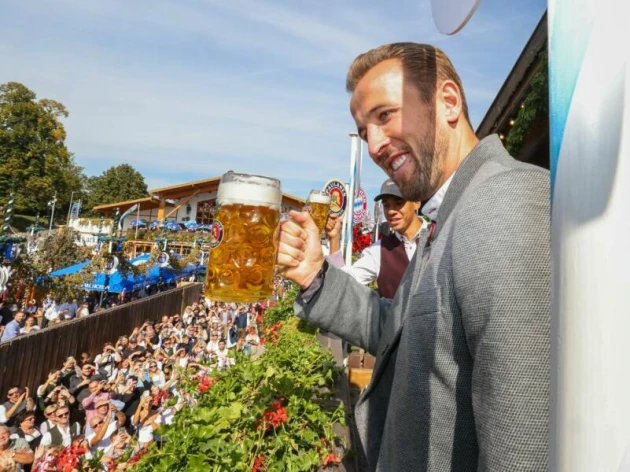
x=258 y=464
x=205 y=384
x=274 y=418
x=330 y=459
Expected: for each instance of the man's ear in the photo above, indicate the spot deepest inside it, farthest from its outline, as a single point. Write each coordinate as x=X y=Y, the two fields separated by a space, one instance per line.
x=449 y=101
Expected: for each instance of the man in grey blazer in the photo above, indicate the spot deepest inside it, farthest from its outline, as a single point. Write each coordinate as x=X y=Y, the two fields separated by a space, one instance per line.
x=461 y=381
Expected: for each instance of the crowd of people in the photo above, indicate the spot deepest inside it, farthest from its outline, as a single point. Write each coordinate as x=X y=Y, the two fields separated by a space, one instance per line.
x=106 y=406
x=17 y=319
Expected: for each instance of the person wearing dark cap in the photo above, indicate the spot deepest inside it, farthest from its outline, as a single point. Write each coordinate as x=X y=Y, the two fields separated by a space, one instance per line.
x=386 y=260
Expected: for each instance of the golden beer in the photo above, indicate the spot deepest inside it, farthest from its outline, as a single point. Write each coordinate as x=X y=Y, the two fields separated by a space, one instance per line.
x=244 y=239
x=319 y=207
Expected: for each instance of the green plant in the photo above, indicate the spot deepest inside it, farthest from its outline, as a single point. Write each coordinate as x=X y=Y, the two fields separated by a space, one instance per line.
x=536 y=103
x=274 y=413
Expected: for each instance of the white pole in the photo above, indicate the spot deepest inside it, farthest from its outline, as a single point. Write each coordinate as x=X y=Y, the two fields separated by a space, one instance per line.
x=70 y=209
x=137 y=219
x=590 y=154
x=353 y=190
x=52 y=213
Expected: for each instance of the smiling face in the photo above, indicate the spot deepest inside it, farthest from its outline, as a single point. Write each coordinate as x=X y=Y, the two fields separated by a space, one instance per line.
x=403 y=135
x=4 y=437
x=399 y=213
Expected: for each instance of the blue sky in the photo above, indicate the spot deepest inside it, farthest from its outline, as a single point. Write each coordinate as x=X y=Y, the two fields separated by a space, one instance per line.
x=188 y=89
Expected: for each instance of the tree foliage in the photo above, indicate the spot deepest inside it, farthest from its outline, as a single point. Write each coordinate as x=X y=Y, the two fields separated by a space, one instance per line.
x=536 y=103
x=34 y=160
x=118 y=183
x=56 y=251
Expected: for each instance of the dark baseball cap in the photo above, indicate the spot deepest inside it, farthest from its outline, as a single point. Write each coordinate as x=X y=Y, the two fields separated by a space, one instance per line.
x=389 y=188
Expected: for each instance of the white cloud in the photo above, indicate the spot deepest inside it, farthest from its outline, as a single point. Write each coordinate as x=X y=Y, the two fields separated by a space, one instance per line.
x=192 y=88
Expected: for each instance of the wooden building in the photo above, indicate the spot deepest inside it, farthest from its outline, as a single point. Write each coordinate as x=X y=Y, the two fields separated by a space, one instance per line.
x=519 y=113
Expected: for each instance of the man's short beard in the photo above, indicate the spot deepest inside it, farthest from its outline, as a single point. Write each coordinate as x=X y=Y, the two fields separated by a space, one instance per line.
x=428 y=169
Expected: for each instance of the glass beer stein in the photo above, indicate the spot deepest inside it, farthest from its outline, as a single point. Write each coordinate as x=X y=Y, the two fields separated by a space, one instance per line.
x=244 y=239
x=318 y=203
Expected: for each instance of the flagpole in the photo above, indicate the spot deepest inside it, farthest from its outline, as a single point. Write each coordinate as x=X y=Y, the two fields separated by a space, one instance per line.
x=137 y=219
x=353 y=191
x=70 y=209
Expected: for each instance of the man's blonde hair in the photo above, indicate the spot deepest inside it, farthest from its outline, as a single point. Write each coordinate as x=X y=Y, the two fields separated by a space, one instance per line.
x=423 y=64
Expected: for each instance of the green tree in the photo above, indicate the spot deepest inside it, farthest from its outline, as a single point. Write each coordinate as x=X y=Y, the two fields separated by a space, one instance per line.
x=34 y=160
x=116 y=184
x=57 y=251
x=60 y=250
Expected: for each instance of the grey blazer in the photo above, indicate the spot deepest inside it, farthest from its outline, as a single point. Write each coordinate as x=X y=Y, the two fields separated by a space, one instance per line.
x=461 y=380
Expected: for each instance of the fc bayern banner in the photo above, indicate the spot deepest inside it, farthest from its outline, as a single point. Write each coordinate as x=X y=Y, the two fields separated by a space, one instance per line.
x=74 y=210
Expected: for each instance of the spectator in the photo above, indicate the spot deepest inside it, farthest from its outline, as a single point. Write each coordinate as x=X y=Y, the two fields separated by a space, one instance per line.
x=241 y=321
x=50 y=412
x=68 y=370
x=102 y=427
x=6 y=315
x=84 y=310
x=133 y=346
x=68 y=310
x=223 y=356
x=154 y=376
x=131 y=396
x=30 y=325
x=252 y=337
x=31 y=308
x=79 y=383
x=48 y=301
x=26 y=429
x=44 y=392
x=14 y=453
x=63 y=432
x=51 y=314
x=85 y=358
x=106 y=362
x=12 y=329
x=97 y=393
x=18 y=400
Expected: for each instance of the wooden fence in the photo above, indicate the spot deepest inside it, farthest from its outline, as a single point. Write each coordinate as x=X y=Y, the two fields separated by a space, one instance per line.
x=27 y=360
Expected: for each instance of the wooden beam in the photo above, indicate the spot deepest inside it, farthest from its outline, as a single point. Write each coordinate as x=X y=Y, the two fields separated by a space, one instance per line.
x=180 y=205
x=161 y=209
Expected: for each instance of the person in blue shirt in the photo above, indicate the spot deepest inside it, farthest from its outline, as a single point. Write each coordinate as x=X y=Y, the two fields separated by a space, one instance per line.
x=68 y=310
x=12 y=329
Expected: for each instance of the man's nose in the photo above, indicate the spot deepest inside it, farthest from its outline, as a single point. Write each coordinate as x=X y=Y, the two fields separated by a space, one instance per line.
x=377 y=141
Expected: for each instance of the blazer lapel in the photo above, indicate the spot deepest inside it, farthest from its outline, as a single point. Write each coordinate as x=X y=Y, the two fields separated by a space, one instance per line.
x=395 y=322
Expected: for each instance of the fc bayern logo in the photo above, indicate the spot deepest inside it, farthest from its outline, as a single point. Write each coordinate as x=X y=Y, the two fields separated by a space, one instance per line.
x=216 y=233
x=338 y=196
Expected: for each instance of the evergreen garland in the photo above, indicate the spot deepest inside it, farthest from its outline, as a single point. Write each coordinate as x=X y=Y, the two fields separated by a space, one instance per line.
x=536 y=102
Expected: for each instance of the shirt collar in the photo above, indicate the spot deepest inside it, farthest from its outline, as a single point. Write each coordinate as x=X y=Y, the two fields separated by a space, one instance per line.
x=401 y=237
x=432 y=206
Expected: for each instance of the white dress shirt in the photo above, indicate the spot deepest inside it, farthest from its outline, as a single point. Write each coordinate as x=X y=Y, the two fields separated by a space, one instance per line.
x=366 y=269
x=65 y=435
x=431 y=207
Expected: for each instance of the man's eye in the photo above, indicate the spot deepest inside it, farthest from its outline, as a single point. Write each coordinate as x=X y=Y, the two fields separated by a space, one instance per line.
x=384 y=115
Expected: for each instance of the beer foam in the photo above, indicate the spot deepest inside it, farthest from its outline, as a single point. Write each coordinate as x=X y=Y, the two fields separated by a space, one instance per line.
x=319 y=198
x=248 y=193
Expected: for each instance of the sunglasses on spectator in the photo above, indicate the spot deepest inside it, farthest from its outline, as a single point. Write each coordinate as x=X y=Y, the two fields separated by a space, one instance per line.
x=153 y=365
x=63 y=415
x=97 y=424
x=14 y=392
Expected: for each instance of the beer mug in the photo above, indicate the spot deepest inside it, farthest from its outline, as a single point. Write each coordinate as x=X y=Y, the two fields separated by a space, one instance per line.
x=318 y=203
x=244 y=239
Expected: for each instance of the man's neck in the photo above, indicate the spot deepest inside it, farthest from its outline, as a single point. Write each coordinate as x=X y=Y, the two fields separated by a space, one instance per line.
x=412 y=229
x=65 y=427
x=460 y=146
